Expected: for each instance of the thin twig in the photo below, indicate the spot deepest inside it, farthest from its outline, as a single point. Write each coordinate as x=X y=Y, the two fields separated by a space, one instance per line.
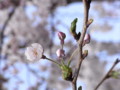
x=70 y=59
x=4 y=27
x=107 y=75
x=10 y=15
x=80 y=42
x=52 y=61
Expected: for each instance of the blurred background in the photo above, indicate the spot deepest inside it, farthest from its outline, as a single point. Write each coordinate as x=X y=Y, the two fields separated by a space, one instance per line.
x=23 y=22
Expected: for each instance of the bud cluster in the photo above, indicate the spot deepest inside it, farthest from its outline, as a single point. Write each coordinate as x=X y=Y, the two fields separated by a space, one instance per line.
x=60 y=52
x=35 y=52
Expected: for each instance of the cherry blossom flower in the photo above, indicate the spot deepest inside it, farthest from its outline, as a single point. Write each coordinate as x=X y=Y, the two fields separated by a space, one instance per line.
x=34 y=52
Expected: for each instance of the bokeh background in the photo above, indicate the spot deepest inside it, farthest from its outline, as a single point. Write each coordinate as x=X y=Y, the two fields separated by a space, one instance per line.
x=23 y=22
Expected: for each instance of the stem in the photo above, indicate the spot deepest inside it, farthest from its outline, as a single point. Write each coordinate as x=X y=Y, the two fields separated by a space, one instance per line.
x=74 y=86
x=70 y=59
x=53 y=61
x=107 y=75
x=62 y=62
x=62 y=46
x=80 y=41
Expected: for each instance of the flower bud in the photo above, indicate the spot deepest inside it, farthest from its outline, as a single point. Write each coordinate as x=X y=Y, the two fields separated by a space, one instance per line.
x=61 y=35
x=86 y=39
x=60 y=53
x=89 y=22
x=85 y=53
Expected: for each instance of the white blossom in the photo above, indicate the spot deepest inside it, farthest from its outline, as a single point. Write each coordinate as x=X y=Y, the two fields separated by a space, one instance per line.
x=34 y=52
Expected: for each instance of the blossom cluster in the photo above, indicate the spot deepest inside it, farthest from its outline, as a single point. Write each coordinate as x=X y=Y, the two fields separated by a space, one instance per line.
x=35 y=52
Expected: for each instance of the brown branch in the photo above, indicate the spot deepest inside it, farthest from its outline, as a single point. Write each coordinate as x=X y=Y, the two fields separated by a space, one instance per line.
x=71 y=1
x=80 y=42
x=108 y=73
x=4 y=27
x=10 y=15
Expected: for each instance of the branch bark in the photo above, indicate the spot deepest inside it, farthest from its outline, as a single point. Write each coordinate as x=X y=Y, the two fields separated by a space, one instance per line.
x=80 y=42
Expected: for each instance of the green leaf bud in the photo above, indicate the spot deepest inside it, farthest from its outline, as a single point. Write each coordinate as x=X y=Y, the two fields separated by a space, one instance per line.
x=73 y=26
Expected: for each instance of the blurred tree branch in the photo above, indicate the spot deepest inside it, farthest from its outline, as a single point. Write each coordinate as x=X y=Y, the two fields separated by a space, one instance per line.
x=108 y=73
x=70 y=1
x=3 y=29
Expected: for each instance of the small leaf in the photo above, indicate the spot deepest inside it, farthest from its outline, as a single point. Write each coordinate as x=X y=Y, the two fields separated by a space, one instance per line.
x=73 y=26
x=80 y=88
x=114 y=74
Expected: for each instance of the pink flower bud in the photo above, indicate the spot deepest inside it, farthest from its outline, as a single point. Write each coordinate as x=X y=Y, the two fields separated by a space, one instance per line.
x=61 y=35
x=87 y=38
x=60 y=53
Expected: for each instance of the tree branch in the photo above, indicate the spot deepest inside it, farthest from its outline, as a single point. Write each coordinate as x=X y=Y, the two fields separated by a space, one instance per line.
x=4 y=27
x=80 y=42
x=10 y=15
x=107 y=75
